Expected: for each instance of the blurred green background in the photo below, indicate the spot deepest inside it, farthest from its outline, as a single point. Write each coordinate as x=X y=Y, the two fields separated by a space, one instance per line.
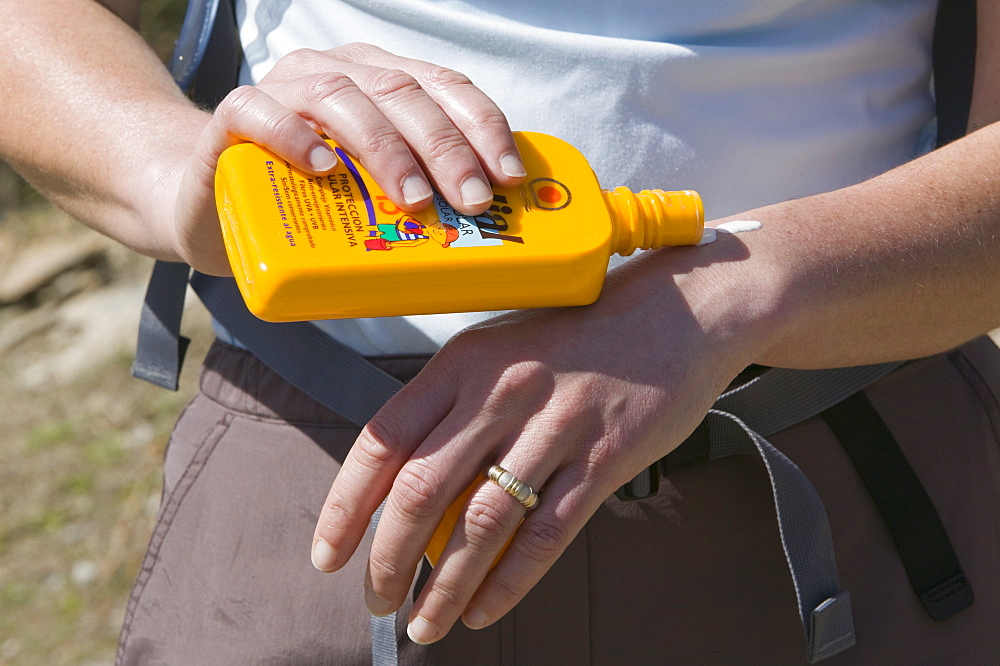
x=81 y=442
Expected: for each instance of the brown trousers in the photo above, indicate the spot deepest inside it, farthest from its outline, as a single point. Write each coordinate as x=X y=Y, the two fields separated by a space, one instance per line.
x=693 y=575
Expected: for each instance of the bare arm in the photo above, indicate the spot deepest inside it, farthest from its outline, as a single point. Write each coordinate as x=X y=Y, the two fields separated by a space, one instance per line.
x=900 y=266
x=91 y=117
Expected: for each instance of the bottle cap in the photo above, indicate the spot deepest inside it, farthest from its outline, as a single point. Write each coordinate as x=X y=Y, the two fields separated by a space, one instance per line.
x=654 y=218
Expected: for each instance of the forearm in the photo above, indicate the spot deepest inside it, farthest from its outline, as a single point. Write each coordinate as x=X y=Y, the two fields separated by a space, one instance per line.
x=93 y=120
x=897 y=267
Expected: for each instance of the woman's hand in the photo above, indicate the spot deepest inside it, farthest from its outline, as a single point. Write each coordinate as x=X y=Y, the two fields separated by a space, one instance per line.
x=413 y=125
x=574 y=402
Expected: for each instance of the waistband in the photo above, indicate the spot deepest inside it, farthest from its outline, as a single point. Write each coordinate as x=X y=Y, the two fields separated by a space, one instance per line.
x=237 y=380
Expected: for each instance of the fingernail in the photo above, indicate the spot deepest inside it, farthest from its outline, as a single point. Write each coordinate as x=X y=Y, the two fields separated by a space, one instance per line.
x=512 y=166
x=377 y=606
x=422 y=631
x=415 y=189
x=322 y=158
x=475 y=191
x=323 y=556
x=475 y=618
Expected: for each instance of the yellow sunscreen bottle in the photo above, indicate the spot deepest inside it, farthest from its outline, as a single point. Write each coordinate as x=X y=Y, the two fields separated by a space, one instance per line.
x=308 y=247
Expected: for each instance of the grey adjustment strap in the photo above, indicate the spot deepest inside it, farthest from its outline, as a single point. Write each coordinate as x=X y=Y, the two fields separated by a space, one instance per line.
x=824 y=609
x=738 y=424
x=382 y=629
x=356 y=391
x=780 y=398
x=160 y=350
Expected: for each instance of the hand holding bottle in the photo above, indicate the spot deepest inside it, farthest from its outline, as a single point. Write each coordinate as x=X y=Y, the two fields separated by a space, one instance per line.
x=413 y=125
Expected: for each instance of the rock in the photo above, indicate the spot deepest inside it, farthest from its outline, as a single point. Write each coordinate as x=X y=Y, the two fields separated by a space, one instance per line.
x=39 y=265
x=83 y=573
x=10 y=648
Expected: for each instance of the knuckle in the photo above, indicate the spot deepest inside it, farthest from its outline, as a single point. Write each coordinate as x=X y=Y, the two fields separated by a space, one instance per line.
x=542 y=540
x=325 y=88
x=335 y=514
x=570 y=411
x=438 y=77
x=281 y=124
x=464 y=343
x=382 y=567
x=300 y=58
x=242 y=109
x=381 y=441
x=489 y=118
x=416 y=490
x=522 y=379
x=448 y=593
x=445 y=143
x=236 y=103
x=510 y=590
x=485 y=524
x=355 y=52
x=388 y=84
x=382 y=140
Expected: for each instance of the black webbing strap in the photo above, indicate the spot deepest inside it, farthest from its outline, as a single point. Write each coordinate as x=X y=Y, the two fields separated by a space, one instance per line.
x=921 y=540
x=954 y=52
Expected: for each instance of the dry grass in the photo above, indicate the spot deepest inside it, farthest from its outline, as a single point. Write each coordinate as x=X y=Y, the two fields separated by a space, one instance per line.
x=79 y=488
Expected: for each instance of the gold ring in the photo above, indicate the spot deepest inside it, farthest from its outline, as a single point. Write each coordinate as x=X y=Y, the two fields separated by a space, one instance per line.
x=514 y=487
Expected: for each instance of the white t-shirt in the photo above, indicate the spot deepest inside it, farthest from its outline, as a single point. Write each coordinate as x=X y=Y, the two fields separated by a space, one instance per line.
x=747 y=101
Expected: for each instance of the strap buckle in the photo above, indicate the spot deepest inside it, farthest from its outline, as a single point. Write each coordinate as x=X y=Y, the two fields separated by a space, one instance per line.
x=692 y=451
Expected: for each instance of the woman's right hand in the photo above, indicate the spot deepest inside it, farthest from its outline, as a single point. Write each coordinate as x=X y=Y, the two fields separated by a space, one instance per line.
x=413 y=125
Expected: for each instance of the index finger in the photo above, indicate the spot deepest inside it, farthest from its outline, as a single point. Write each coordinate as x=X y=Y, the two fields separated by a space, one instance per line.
x=371 y=466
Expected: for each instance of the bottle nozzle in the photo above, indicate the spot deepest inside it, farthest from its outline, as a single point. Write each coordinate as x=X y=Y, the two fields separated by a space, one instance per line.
x=654 y=218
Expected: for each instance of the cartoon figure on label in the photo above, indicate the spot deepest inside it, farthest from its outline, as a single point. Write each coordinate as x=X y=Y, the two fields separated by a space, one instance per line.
x=408 y=231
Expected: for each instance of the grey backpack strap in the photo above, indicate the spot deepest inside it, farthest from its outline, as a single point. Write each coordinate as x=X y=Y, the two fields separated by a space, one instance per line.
x=780 y=398
x=209 y=29
x=356 y=390
x=160 y=349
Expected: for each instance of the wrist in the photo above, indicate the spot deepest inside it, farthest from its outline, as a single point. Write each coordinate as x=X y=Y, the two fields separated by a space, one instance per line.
x=723 y=300
x=158 y=186
x=739 y=298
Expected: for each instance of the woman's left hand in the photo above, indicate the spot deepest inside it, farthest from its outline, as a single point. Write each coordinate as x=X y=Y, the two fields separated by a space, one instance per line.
x=574 y=402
